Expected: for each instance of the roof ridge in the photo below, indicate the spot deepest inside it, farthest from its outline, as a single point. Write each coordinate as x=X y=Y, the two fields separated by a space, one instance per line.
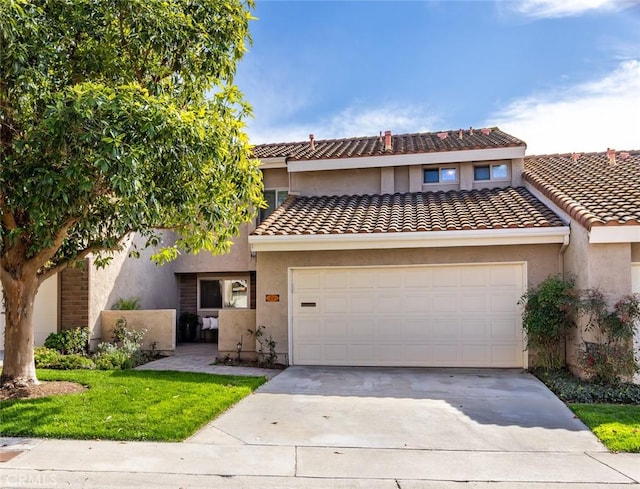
x=377 y=136
x=584 y=153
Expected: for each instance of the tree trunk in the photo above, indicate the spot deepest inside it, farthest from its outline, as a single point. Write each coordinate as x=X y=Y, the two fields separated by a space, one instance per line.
x=18 y=367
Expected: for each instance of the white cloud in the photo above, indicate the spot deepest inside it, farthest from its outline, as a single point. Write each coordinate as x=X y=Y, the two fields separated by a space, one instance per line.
x=567 y=8
x=350 y=122
x=593 y=116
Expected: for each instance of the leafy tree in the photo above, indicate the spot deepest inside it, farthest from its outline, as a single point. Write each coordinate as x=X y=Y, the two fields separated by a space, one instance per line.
x=116 y=116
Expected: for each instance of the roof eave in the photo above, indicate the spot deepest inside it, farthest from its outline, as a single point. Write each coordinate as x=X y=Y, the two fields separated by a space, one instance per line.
x=623 y=233
x=425 y=239
x=394 y=159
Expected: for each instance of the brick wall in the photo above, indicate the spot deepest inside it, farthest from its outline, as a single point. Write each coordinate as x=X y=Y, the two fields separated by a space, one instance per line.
x=188 y=293
x=74 y=297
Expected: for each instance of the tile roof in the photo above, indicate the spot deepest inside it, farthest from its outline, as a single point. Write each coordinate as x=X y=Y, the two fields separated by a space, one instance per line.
x=498 y=208
x=429 y=142
x=589 y=187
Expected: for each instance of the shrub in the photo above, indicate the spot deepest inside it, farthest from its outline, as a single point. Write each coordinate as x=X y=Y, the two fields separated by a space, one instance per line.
x=548 y=317
x=50 y=358
x=267 y=348
x=610 y=358
x=74 y=340
x=124 y=351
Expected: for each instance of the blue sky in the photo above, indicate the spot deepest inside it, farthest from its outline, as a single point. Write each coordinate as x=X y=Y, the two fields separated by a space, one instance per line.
x=562 y=75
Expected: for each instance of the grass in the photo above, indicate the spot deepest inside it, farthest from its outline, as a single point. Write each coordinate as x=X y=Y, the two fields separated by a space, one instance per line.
x=617 y=426
x=126 y=405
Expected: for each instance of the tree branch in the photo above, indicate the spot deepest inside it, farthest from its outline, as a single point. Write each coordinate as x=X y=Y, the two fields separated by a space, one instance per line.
x=44 y=275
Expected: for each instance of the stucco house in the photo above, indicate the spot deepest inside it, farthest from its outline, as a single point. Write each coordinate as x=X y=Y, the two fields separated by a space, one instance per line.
x=408 y=250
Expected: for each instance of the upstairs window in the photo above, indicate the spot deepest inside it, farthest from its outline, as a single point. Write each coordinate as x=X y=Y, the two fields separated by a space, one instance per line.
x=491 y=172
x=274 y=198
x=440 y=175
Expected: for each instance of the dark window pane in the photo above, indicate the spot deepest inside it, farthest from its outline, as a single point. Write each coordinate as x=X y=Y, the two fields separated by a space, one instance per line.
x=270 y=198
x=282 y=196
x=432 y=176
x=481 y=173
x=210 y=294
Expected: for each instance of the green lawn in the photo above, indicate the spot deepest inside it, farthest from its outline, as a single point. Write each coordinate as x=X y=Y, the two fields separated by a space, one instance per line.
x=616 y=425
x=126 y=405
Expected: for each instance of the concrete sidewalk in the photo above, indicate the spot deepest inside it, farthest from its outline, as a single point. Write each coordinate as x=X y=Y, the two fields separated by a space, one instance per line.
x=313 y=429
x=66 y=463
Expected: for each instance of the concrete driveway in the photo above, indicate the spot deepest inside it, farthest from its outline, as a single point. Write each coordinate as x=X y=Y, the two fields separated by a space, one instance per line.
x=433 y=409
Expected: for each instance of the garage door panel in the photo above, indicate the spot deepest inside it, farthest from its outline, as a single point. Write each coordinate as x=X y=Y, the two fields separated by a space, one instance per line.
x=446 y=277
x=334 y=330
x=474 y=302
x=335 y=352
x=362 y=304
x=418 y=277
x=474 y=277
x=420 y=316
x=388 y=279
x=308 y=279
x=388 y=304
x=335 y=304
x=506 y=329
x=445 y=302
x=335 y=280
x=361 y=279
x=415 y=303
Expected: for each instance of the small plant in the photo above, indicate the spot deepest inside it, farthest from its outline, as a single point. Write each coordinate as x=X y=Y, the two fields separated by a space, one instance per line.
x=548 y=317
x=124 y=351
x=267 y=349
x=126 y=304
x=609 y=359
x=69 y=341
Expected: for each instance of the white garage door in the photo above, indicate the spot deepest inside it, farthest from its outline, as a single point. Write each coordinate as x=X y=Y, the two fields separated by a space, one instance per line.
x=454 y=316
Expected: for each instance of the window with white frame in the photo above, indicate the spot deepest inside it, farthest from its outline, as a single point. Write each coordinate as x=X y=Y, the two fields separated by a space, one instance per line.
x=491 y=172
x=443 y=174
x=223 y=293
x=274 y=199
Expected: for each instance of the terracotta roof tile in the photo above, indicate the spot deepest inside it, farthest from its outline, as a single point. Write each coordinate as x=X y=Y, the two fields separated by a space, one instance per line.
x=428 y=142
x=589 y=187
x=498 y=208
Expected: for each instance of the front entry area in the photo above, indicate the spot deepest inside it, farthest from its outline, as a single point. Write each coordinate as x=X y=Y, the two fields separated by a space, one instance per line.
x=427 y=315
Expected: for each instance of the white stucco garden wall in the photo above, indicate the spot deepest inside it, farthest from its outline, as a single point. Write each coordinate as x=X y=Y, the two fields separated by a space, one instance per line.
x=45 y=312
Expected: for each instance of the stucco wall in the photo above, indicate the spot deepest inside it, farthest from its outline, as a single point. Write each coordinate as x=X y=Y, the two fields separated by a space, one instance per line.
x=125 y=277
x=542 y=260
x=275 y=178
x=337 y=182
x=233 y=327
x=238 y=259
x=45 y=312
x=606 y=267
x=160 y=326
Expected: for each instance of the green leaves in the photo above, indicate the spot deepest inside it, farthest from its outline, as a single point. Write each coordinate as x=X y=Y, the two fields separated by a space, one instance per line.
x=106 y=124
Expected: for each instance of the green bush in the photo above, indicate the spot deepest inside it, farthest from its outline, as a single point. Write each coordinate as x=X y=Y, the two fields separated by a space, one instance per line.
x=125 y=351
x=610 y=358
x=50 y=358
x=127 y=304
x=571 y=389
x=68 y=341
x=548 y=317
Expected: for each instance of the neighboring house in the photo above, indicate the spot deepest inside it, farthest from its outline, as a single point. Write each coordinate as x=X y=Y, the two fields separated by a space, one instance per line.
x=598 y=194
x=408 y=250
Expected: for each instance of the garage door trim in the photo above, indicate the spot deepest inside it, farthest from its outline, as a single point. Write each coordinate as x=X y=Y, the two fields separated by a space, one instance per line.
x=291 y=270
